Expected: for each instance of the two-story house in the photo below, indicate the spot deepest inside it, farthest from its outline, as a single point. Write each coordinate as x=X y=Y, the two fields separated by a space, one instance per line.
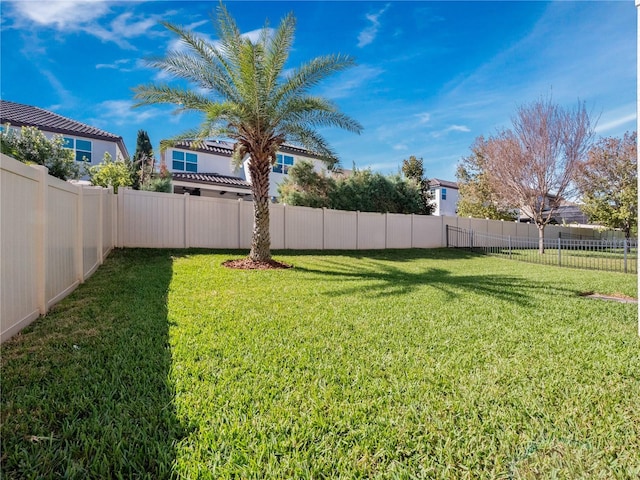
x=206 y=168
x=444 y=196
x=89 y=144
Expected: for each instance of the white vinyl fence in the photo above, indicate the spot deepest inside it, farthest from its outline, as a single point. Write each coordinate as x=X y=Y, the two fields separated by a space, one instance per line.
x=54 y=235
x=158 y=220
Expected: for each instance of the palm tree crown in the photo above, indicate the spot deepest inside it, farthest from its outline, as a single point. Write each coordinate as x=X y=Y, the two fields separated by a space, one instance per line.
x=249 y=99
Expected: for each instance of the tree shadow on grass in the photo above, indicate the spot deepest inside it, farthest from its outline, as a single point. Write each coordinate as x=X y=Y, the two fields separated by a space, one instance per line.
x=86 y=390
x=383 y=275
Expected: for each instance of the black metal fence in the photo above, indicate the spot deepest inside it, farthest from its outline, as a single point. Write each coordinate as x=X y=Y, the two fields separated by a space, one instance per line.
x=616 y=255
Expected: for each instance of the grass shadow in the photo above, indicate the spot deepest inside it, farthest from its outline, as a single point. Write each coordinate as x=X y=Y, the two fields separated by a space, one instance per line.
x=85 y=389
x=384 y=274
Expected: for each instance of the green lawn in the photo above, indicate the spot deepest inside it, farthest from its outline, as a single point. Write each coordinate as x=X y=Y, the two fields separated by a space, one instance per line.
x=398 y=364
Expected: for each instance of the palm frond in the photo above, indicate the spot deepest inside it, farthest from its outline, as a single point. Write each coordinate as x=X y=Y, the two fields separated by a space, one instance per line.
x=310 y=74
x=185 y=99
x=277 y=52
x=317 y=111
x=312 y=141
x=228 y=33
x=175 y=140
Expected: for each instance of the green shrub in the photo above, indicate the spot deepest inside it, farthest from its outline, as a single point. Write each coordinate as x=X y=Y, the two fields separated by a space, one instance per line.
x=30 y=146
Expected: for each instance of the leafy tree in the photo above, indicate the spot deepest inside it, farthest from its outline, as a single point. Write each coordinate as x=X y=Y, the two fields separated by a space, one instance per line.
x=608 y=183
x=160 y=182
x=363 y=191
x=413 y=169
x=534 y=163
x=32 y=147
x=251 y=100
x=306 y=187
x=110 y=174
x=476 y=197
x=142 y=163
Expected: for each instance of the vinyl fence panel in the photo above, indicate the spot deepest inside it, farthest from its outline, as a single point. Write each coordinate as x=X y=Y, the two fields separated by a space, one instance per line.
x=399 y=232
x=152 y=220
x=372 y=231
x=64 y=255
x=340 y=230
x=213 y=223
x=304 y=228
x=91 y=229
x=277 y=225
x=427 y=231
x=20 y=222
x=246 y=224
x=109 y=212
x=54 y=235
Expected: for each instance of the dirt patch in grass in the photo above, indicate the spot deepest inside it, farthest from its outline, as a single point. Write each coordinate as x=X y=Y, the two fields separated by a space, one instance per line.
x=613 y=297
x=248 y=264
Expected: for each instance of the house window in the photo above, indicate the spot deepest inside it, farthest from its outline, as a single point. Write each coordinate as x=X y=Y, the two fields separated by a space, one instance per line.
x=81 y=148
x=444 y=194
x=283 y=163
x=186 y=162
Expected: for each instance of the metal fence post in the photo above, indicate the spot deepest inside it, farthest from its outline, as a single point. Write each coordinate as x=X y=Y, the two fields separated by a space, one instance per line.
x=509 y=247
x=625 y=255
x=559 y=251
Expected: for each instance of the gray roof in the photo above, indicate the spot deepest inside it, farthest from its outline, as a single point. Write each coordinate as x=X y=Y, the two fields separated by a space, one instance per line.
x=211 y=179
x=224 y=148
x=436 y=182
x=207 y=146
x=19 y=115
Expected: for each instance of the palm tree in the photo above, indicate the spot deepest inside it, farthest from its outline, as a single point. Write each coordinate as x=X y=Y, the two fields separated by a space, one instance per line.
x=250 y=99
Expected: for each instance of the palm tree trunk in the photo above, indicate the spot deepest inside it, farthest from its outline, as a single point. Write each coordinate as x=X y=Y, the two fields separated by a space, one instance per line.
x=260 y=239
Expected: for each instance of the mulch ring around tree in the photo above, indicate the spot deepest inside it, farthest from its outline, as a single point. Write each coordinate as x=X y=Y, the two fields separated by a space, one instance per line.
x=248 y=264
x=613 y=297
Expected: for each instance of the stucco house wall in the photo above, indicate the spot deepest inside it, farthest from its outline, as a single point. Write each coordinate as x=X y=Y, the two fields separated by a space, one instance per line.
x=214 y=157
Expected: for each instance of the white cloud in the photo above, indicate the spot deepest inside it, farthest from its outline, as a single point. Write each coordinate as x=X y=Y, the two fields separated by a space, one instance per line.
x=618 y=121
x=67 y=99
x=449 y=129
x=400 y=146
x=368 y=35
x=120 y=112
x=117 y=65
x=458 y=128
x=345 y=84
x=423 y=117
x=61 y=14
x=86 y=16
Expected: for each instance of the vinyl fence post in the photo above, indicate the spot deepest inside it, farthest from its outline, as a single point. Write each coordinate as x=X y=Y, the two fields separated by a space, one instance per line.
x=42 y=250
x=186 y=239
x=100 y=246
x=79 y=240
x=357 y=228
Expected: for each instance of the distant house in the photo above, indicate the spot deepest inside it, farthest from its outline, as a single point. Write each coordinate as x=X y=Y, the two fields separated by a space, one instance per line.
x=88 y=143
x=206 y=169
x=444 y=196
x=565 y=213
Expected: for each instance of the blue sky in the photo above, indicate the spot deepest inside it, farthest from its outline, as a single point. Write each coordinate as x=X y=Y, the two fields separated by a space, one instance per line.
x=431 y=76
